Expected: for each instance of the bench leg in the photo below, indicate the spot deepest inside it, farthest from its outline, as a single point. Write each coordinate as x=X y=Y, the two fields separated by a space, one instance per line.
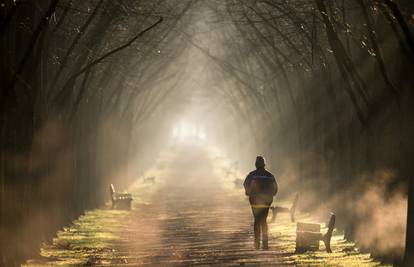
x=327 y=237
x=274 y=214
x=290 y=210
x=293 y=208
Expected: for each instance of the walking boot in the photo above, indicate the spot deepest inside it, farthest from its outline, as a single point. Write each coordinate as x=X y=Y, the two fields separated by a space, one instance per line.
x=256 y=244
x=265 y=245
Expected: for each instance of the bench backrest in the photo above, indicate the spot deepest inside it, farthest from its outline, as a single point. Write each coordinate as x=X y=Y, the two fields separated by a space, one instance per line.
x=112 y=191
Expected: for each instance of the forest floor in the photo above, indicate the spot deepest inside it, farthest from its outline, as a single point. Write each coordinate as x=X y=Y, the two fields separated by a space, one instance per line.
x=193 y=214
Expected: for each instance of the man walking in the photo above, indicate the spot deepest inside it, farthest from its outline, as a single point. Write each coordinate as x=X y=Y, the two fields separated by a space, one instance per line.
x=260 y=185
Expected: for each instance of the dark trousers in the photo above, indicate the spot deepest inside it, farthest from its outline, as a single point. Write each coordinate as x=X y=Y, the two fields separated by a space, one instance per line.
x=260 y=225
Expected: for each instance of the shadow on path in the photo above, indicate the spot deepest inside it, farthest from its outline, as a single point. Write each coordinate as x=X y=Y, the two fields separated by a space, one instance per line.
x=191 y=216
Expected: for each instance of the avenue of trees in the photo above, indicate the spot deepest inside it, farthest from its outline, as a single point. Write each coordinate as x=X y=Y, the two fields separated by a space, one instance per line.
x=323 y=87
x=77 y=78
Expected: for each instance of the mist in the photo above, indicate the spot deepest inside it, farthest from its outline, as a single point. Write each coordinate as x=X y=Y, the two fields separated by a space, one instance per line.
x=98 y=92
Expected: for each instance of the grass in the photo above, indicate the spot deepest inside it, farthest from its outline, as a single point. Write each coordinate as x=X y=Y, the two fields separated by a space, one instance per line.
x=92 y=238
x=344 y=253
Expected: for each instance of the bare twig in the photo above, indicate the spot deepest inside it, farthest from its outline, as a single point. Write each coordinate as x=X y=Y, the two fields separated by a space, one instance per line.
x=95 y=62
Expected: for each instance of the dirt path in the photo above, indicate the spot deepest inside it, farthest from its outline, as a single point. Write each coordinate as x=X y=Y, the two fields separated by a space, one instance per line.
x=190 y=216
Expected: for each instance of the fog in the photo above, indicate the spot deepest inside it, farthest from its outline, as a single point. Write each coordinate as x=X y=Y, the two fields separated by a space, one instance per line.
x=93 y=92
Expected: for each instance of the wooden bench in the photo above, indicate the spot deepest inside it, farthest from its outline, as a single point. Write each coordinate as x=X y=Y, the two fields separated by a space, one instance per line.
x=291 y=210
x=120 y=200
x=308 y=236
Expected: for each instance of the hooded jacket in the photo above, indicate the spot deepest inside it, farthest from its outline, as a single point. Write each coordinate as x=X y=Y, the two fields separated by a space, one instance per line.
x=260 y=185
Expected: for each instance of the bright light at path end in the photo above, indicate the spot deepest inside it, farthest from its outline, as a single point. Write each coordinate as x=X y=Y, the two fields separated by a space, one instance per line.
x=188 y=131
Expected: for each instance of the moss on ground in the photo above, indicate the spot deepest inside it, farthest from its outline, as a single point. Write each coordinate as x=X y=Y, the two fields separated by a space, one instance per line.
x=92 y=239
x=344 y=253
x=88 y=239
